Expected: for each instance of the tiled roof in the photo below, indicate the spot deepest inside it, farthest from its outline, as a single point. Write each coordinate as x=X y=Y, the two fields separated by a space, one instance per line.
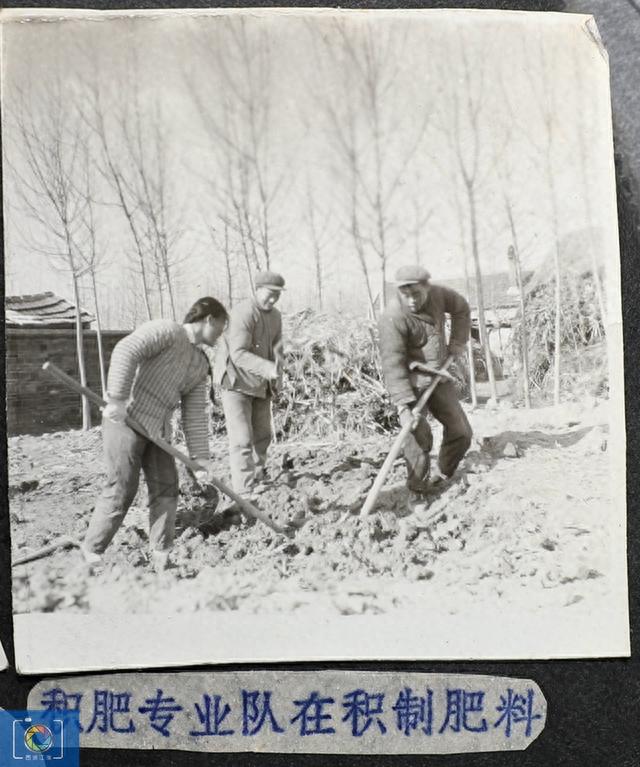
x=42 y=309
x=499 y=290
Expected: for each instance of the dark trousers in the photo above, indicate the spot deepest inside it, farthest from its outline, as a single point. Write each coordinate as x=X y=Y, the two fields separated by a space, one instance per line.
x=126 y=453
x=456 y=438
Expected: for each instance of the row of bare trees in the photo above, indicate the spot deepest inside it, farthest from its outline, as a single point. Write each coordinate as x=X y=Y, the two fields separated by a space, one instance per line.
x=234 y=102
x=96 y=165
x=133 y=173
x=374 y=149
x=53 y=185
x=79 y=153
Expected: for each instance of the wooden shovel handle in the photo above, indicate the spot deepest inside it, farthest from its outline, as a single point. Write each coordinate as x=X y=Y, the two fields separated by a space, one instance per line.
x=372 y=496
x=62 y=543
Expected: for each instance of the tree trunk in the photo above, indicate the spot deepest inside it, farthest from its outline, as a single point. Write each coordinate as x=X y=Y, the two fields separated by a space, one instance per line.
x=247 y=263
x=128 y=214
x=523 y=318
x=265 y=245
x=371 y=302
x=357 y=242
x=145 y=287
x=558 y=311
x=558 y=304
x=156 y=263
x=167 y=278
x=383 y=286
x=227 y=263
x=317 y=252
x=586 y=115
x=319 y=278
x=523 y=336
x=365 y=272
x=86 y=409
x=103 y=378
x=472 y=373
x=472 y=365
x=598 y=284
x=482 y=327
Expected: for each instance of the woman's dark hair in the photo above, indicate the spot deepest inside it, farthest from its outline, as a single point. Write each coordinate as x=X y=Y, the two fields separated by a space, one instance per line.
x=206 y=307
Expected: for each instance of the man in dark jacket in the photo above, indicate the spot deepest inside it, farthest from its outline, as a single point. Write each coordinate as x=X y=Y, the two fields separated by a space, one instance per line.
x=248 y=369
x=412 y=330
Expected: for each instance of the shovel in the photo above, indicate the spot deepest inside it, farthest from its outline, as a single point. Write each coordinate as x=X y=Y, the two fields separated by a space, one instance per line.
x=245 y=506
x=372 y=497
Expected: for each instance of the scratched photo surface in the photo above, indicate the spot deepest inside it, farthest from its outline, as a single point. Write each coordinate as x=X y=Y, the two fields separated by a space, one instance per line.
x=435 y=191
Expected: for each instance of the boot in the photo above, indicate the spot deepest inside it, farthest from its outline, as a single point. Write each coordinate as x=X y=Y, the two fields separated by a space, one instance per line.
x=417 y=503
x=438 y=480
x=160 y=561
x=90 y=557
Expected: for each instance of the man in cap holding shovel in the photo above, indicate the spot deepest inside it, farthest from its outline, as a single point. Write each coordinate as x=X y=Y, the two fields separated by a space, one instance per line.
x=248 y=369
x=412 y=344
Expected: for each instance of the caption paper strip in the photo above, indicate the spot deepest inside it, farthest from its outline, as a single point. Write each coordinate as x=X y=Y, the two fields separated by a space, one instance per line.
x=300 y=711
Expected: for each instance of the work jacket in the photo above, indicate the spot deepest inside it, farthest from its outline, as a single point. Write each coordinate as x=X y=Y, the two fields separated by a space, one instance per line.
x=406 y=337
x=245 y=360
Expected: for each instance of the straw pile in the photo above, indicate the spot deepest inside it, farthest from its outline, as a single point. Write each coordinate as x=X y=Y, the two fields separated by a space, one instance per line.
x=332 y=383
x=332 y=379
x=582 y=333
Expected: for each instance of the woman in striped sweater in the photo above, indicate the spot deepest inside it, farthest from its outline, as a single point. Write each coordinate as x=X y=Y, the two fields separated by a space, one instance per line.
x=152 y=370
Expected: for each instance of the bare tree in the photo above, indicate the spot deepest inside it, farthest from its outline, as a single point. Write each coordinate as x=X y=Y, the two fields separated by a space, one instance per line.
x=352 y=182
x=514 y=257
x=148 y=185
x=509 y=165
x=463 y=245
x=236 y=110
x=47 y=173
x=320 y=234
x=135 y=164
x=463 y=129
x=91 y=255
x=222 y=243
x=113 y=170
x=473 y=389
x=458 y=239
x=544 y=91
x=586 y=114
x=374 y=149
x=420 y=219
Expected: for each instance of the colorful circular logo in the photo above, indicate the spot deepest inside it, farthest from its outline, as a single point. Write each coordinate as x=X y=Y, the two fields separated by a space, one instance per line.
x=38 y=738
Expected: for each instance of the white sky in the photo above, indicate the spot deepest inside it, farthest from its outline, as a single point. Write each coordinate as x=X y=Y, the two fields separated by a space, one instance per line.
x=519 y=65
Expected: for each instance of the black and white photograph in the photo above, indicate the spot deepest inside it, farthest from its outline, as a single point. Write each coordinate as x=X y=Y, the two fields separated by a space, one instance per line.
x=313 y=337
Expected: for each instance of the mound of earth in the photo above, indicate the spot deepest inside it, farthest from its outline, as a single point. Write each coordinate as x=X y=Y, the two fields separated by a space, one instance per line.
x=523 y=520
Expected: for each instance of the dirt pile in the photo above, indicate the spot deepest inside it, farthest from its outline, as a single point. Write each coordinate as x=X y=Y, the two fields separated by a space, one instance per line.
x=524 y=514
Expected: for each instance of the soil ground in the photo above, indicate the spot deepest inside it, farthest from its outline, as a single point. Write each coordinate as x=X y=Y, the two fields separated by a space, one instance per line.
x=525 y=521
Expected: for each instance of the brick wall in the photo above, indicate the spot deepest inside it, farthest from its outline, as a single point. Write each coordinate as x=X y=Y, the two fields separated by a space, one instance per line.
x=36 y=402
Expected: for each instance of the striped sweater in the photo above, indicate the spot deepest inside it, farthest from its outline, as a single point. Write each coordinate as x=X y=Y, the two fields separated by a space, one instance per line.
x=156 y=368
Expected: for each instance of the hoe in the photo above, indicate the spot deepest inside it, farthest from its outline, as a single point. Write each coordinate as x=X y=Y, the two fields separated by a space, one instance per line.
x=248 y=508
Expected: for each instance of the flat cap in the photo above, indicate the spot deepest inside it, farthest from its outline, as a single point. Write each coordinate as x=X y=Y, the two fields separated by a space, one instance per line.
x=271 y=280
x=411 y=275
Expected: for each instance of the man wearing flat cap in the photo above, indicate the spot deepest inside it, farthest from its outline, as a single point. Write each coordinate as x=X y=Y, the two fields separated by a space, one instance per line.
x=248 y=367
x=412 y=334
